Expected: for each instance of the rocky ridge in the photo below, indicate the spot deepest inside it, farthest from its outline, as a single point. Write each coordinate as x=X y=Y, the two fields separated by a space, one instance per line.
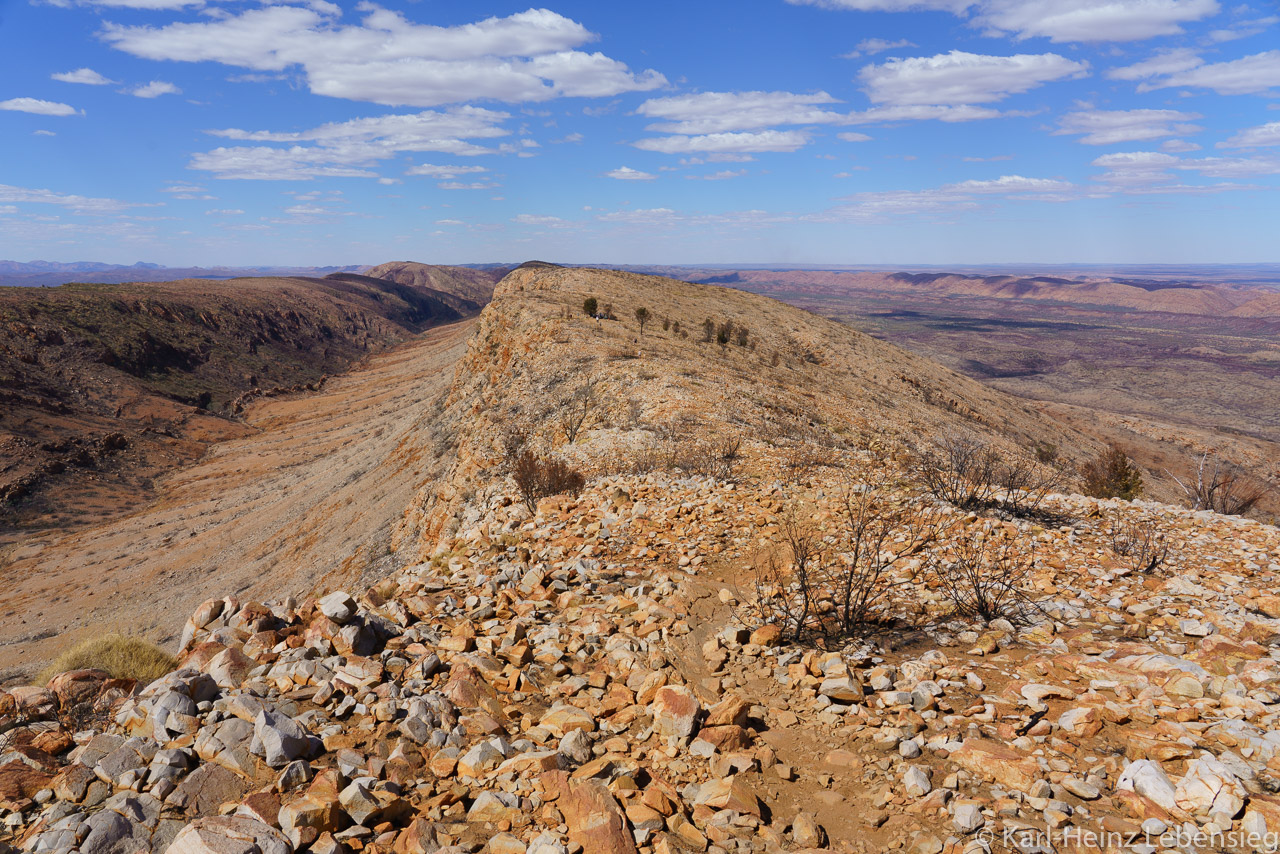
x=592 y=675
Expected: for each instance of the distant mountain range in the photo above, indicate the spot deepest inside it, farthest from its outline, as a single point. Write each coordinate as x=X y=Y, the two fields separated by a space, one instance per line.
x=53 y=273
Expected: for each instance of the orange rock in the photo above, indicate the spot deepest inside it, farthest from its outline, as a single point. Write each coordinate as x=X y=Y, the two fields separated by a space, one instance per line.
x=991 y=760
x=594 y=819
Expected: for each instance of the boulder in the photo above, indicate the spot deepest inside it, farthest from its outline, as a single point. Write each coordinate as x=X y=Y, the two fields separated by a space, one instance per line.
x=230 y=834
x=675 y=711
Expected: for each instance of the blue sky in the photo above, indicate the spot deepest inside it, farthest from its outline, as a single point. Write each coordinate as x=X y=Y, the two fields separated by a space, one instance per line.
x=758 y=131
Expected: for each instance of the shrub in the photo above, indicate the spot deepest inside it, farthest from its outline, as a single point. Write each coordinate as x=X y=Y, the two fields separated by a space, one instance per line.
x=590 y=306
x=122 y=656
x=537 y=479
x=973 y=475
x=710 y=456
x=960 y=469
x=1112 y=475
x=839 y=586
x=642 y=317
x=1025 y=484
x=1140 y=544
x=988 y=577
x=724 y=332
x=708 y=330
x=513 y=442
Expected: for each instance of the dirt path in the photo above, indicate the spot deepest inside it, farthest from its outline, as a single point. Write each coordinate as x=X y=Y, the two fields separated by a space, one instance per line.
x=315 y=491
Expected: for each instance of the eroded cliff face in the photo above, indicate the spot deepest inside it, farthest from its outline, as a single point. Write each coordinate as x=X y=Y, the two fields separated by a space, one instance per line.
x=107 y=387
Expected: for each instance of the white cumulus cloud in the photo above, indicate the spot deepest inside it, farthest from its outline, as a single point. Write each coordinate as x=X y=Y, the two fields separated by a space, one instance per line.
x=719 y=112
x=352 y=148
x=626 y=173
x=1259 y=137
x=155 y=89
x=38 y=107
x=1056 y=20
x=87 y=76
x=1248 y=75
x=79 y=204
x=727 y=143
x=958 y=77
x=1105 y=127
x=387 y=59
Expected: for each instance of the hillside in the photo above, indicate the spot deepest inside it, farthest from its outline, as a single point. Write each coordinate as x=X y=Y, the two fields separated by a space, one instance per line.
x=664 y=659
x=1170 y=366
x=106 y=387
x=472 y=284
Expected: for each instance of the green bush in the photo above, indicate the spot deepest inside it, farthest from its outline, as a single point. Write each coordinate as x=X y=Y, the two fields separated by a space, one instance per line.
x=590 y=306
x=1112 y=475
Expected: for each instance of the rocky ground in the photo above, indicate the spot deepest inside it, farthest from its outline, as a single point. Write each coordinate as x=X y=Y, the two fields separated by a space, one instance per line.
x=597 y=673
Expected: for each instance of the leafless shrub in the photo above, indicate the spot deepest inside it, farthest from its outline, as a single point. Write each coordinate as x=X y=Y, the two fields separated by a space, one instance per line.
x=987 y=576
x=1141 y=545
x=649 y=457
x=787 y=595
x=707 y=456
x=879 y=532
x=960 y=469
x=537 y=479
x=839 y=586
x=802 y=458
x=972 y=474
x=512 y=442
x=1221 y=487
x=576 y=407
x=1024 y=485
x=730 y=447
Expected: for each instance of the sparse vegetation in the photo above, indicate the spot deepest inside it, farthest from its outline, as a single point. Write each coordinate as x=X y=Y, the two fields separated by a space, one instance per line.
x=1140 y=544
x=123 y=656
x=838 y=586
x=1112 y=475
x=537 y=478
x=708 y=330
x=988 y=576
x=972 y=474
x=576 y=407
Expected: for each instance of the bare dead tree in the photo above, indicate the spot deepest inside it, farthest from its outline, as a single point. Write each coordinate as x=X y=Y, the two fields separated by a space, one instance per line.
x=1141 y=544
x=1221 y=487
x=576 y=407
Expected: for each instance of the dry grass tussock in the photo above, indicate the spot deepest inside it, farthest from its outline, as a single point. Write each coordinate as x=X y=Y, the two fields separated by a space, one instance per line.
x=123 y=656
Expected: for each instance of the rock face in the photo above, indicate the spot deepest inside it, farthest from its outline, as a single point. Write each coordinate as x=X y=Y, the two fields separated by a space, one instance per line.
x=603 y=674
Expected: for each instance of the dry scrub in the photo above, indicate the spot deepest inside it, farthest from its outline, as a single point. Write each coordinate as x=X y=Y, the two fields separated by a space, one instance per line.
x=122 y=656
